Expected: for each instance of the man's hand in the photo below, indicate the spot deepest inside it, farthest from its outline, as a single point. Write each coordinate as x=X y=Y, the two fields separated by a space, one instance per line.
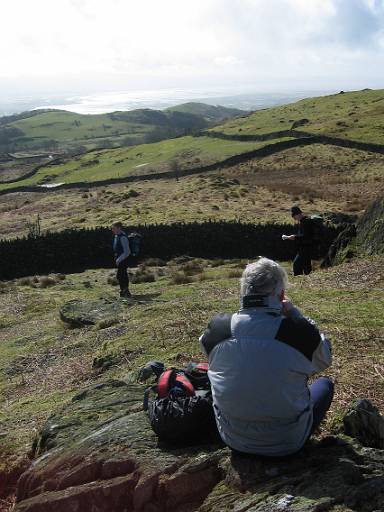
x=287 y=306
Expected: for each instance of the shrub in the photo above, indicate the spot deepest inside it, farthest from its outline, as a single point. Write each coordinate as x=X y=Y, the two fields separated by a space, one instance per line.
x=112 y=280
x=105 y=323
x=180 y=278
x=25 y=281
x=4 y=287
x=143 y=275
x=202 y=277
x=217 y=262
x=236 y=272
x=46 y=281
x=130 y=193
x=192 y=267
x=155 y=262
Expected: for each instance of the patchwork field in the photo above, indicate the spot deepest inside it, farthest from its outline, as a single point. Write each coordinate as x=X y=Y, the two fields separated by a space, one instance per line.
x=321 y=178
x=180 y=153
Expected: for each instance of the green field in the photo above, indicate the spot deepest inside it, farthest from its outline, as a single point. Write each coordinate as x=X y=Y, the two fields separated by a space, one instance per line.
x=59 y=130
x=142 y=159
x=352 y=115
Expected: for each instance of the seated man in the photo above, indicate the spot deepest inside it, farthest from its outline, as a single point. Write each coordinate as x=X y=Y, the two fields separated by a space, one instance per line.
x=259 y=362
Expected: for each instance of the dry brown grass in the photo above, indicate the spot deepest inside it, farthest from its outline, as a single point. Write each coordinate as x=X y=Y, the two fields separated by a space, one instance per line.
x=236 y=272
x=180 y=278
x=321 y=178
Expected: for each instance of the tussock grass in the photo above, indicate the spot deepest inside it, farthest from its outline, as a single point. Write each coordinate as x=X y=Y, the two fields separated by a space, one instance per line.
x=235 y=273
x=180 y=278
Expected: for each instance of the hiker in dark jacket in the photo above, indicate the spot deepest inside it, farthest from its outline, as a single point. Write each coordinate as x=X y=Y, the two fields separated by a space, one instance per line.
x=121 y=251
x=260 y=360
x=302 y=263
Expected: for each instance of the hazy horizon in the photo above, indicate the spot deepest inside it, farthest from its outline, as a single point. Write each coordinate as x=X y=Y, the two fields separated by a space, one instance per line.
x=88 y=47
x=100 y=103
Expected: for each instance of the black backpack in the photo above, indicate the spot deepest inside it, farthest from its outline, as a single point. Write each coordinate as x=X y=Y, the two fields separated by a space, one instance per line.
x=134 y=240
x=181 y=408
x=317 y=234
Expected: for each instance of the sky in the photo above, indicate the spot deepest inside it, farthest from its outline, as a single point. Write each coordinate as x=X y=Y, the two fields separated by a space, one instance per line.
x=101 y=45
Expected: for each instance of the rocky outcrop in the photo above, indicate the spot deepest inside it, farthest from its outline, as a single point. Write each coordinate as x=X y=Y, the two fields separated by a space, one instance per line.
x=370 y=228
x=364 y=422
x=78 y=313
x=340 y=249
x=99 y=454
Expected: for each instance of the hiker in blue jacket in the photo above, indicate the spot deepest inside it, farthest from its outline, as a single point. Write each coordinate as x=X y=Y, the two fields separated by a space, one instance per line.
x=122 y=252
x=260 y=360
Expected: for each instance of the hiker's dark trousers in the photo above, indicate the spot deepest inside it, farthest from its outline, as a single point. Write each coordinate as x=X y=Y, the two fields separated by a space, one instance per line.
x=302 y=263
x=122 y=275
x=321 y=392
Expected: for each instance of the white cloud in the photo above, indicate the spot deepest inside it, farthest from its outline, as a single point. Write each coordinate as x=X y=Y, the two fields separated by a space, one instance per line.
x=200 y=41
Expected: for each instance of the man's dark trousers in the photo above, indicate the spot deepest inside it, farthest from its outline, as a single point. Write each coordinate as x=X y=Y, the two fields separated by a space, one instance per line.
x=122 y=275
x=302 y=263
x=321 y=395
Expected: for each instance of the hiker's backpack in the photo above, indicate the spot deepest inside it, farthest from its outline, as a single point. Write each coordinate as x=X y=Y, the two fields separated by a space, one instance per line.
x=179 y=404
x=134 y=240
x=317 y=233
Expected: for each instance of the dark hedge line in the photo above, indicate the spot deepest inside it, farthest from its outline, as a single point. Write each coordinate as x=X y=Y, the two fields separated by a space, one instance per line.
x=76 y=250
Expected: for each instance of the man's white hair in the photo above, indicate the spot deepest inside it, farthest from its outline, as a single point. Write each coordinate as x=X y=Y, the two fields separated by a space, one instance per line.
x=263 y=277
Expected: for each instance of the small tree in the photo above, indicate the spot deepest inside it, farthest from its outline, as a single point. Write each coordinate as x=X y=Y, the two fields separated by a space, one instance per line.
x=34 y=227
x=175 y=167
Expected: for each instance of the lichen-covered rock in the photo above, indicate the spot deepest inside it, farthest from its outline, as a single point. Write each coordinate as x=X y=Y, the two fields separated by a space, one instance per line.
x=370 y=228
x=364 y=422
x=340 y=249
x=78 y=313
x=98 y=454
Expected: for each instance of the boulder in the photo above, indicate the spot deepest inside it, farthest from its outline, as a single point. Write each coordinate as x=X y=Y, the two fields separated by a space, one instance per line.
x=98 y=454
x=78 y=313
x=364 y=422
x=340 y=249
x=370 y=228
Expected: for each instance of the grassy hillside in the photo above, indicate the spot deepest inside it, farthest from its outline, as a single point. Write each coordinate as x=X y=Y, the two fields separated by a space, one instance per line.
x=59 y=130
x=211 y=113
x=352 y=115
x=188 y=152
x=320 y=178
x=43 y=362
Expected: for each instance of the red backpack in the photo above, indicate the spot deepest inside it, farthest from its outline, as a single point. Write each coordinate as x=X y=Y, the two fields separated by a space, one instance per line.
x=182 y=408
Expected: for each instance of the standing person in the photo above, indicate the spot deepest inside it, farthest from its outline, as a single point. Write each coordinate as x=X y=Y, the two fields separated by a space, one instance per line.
x=122 y=251
x=302 y=263
x=260 y=360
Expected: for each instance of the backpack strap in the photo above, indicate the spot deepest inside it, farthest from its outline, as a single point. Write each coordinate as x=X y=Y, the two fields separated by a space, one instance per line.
x=164 y=383
x=147 y=392
x=187 y=384
x=203 y=367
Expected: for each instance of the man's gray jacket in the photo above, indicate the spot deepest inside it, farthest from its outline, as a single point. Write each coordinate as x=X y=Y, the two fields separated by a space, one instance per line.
x=259 y=364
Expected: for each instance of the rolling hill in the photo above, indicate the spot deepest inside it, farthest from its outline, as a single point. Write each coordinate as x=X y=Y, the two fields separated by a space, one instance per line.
x=258 y=187
x=59 y=130
x=351 y=115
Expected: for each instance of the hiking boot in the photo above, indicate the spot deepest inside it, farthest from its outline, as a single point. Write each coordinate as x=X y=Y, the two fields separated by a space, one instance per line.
x=125 y=293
